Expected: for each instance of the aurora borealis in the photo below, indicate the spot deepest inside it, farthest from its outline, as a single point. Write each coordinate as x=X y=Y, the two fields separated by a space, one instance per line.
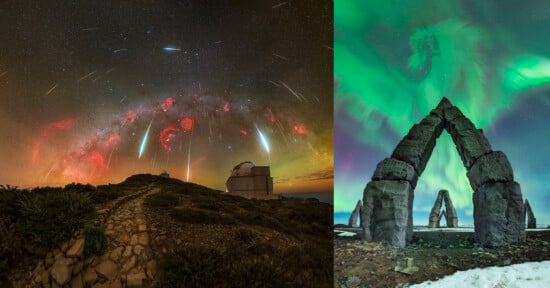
x=395 y=60
x=96 y=91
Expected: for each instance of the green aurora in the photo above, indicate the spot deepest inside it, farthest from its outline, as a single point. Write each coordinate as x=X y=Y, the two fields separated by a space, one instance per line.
x=395 y=60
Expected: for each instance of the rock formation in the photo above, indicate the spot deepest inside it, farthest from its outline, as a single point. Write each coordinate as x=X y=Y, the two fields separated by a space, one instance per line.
x=497 y=199
x=356 y=212
x=449 y=212
x=531 y=220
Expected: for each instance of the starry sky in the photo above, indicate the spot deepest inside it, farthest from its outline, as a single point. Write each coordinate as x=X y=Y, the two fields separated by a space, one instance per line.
x=96 y=91
x=395 y=60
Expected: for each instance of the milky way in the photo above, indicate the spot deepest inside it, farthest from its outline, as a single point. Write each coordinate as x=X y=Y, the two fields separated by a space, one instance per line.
x=394 y=63
x=95 y=92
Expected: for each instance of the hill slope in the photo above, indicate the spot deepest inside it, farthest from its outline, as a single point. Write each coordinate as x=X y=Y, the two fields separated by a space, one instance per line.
x=165 y=232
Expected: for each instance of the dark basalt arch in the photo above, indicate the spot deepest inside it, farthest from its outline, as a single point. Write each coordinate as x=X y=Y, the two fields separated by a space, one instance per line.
x=449 y=212
x=499 y=217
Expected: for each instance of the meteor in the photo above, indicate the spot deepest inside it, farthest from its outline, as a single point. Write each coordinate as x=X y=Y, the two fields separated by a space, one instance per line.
x=263 y=139
x=144 y=141
x=171 y=49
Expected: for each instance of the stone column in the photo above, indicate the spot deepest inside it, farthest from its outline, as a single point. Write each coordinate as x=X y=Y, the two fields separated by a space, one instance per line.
x=531 y=220
x=352 y=223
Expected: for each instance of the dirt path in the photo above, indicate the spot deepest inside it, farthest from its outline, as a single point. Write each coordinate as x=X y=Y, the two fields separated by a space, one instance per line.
x=128 y=260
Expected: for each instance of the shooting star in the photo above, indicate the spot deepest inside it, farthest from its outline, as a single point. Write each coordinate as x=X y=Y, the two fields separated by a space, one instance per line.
x=292 y=91
x=276 y=85
x=86 y=76
x=171 y=49
x=282 y=57
x=123 y=98
x=263 y=139
x=4 y=73
x=120 y=50
x=51 y=89
x=144 y=140
x=90 y=29
x=279 y=5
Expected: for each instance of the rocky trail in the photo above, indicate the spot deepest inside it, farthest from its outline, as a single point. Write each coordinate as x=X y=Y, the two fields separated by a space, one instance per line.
x=128 y=259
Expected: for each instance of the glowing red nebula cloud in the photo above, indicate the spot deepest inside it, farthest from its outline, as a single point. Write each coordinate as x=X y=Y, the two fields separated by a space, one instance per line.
x=84 y=166
x=226 y=107
x=272 y=118
x=131 y=116
x=186 y=123
x=112 y=140
x=244 y=132
x=51 y=129
x=166 y=137
x=300 y=129
x=63 y=124
x=167 y=104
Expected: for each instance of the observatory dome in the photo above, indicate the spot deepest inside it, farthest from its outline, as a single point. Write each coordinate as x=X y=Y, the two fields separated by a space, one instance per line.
x=243 y=169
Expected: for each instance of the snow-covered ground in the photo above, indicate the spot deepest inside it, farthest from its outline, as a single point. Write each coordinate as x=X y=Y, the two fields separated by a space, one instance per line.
x=531 y=274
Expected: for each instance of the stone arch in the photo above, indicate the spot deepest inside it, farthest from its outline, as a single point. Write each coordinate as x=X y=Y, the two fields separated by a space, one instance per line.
x=449 y=212
x=497 y=199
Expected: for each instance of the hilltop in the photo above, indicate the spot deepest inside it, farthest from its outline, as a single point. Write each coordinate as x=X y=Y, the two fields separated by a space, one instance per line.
x=150 y=231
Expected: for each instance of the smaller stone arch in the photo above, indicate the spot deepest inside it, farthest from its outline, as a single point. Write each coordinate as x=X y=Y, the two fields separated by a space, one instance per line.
x=449 y=212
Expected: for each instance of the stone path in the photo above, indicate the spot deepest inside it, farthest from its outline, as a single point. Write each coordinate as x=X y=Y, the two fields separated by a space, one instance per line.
x=128 y=260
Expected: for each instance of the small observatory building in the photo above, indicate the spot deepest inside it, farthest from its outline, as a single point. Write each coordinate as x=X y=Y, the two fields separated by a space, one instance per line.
x=250 y=181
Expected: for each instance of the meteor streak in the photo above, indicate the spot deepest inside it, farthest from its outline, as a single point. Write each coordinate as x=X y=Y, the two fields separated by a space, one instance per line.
x=263 y=139
x=171 y=49
x=86 y=76
x=51 y=89
x=144 y=141
x=292 y=91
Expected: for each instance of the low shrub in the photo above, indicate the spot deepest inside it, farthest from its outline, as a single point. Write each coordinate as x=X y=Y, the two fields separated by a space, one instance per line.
x=50 y=218
x=258 y=272
x=199 y=216
x=192 y=266
x=106 y=193
x=259 y=218
x=95 y=243
x=162 y=199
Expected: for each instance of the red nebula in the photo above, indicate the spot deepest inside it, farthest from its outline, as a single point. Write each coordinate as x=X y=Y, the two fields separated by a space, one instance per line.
x=51 y=129
x=186 y=123
x=272 y=118
x=166 y=137
x=226 y=107
x=63 y=124
x=131 y=116
x=167 y=104
x=244 y=132
x=300 y=129
x=84 y=166
x=112 y=140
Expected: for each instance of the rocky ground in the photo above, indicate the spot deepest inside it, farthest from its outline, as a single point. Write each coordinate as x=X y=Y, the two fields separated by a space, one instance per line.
x=127 y=261
x=432 y=255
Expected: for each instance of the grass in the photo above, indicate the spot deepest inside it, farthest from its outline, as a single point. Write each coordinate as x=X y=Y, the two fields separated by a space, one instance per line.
x=245 y=258
x=250 y=254
x=32 y=221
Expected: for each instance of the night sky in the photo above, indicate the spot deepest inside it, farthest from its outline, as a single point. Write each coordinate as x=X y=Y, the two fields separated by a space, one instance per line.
x=395 y=60
x=96 y=91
